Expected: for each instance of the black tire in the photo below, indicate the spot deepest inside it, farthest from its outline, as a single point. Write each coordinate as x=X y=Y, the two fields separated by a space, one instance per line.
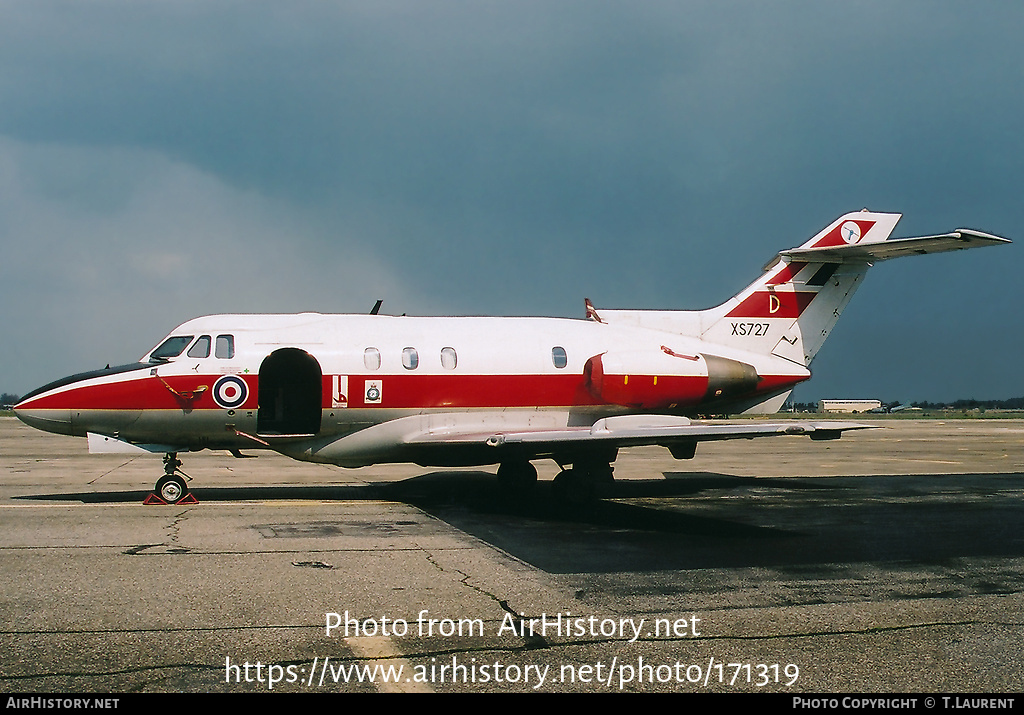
x=574 y=487
x=171 y=488
x=603 y=480
x=517 y=478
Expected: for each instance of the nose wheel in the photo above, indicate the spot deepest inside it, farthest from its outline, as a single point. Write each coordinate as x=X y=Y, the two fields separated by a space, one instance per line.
x=171 y=487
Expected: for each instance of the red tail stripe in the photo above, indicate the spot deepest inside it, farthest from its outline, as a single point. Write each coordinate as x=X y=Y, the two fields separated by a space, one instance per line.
x=772 y=304
x=787 y=273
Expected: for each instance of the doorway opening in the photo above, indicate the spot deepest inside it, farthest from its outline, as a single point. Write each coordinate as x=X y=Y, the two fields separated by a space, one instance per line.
x=290 y=386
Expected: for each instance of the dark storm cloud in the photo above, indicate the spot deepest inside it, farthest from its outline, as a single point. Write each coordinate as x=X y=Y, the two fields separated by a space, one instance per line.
x=514 y=157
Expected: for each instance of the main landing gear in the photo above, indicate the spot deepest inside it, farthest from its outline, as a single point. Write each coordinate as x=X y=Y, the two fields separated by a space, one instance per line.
x=584 y=482
x=517 y=478
x=171 y=487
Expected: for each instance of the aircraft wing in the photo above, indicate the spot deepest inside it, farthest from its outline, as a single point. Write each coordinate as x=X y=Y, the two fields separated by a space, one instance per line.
x=634 y=430
x=472 y=438
x=896 y=247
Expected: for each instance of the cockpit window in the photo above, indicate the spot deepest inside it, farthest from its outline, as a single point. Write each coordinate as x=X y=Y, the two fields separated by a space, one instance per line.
x=201 y=348
x=225 y=346
x=170 y=348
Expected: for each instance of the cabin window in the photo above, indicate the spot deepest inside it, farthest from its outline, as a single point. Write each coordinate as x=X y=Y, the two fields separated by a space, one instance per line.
x=225 y=347
x=371 y=359
x=448 y=358
x=170 y=348
x=410 y=358
x=201 y=348
x=558 y=357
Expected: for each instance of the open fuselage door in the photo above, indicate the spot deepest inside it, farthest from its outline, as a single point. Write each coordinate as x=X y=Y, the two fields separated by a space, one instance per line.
x=290 y=386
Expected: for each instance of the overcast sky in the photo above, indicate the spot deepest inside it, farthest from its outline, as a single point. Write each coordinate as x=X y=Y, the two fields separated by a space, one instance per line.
x=163 y=160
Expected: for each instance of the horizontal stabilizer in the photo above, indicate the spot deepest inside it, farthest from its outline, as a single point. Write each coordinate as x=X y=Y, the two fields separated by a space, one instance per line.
x=895 y=247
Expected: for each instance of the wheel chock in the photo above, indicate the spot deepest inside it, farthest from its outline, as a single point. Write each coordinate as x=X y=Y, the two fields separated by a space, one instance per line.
x=152 y=499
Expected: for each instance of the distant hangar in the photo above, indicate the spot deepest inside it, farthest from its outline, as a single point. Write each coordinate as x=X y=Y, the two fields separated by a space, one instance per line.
x=848 y=406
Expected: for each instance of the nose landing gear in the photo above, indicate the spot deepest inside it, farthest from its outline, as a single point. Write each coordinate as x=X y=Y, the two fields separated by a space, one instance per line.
x=172 y=488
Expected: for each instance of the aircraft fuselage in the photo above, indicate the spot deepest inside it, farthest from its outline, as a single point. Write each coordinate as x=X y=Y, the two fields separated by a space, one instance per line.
x=309 y=375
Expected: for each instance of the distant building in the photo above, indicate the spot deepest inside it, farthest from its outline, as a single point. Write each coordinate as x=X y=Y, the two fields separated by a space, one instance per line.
x=848 y=405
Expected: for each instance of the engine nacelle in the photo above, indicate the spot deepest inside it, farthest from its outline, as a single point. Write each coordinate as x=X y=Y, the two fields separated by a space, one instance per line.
x=665 y=379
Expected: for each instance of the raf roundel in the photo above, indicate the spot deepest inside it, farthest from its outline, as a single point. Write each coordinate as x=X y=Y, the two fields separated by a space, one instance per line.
x=230 y=391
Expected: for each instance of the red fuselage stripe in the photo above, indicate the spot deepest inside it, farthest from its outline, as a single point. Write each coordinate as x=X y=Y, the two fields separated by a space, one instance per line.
x=399 y=391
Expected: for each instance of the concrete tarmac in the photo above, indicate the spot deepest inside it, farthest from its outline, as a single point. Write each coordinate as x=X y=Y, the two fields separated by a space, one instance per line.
x=891 y=560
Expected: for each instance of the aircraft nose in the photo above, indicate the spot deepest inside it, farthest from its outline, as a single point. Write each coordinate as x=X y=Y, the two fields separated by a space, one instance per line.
x=46 y=419
x=87 y=402
x=40 y=410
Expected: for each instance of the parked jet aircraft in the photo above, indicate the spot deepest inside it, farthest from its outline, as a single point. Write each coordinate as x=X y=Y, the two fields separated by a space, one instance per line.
x=355 y=390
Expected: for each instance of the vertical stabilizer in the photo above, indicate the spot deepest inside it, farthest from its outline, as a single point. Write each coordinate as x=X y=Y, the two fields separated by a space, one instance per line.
x=792 y=307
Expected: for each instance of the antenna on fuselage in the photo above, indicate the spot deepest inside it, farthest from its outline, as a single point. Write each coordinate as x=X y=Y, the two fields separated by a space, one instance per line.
x=376 y=307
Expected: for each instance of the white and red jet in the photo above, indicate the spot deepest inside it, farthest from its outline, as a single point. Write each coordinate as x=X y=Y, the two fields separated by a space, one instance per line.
x=355 y=390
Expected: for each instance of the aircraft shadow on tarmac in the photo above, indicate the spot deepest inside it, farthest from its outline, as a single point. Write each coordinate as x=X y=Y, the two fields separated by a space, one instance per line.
x=699 y=520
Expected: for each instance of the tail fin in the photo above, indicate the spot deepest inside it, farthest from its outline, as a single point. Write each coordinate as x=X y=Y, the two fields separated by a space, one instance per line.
x=791 y=308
